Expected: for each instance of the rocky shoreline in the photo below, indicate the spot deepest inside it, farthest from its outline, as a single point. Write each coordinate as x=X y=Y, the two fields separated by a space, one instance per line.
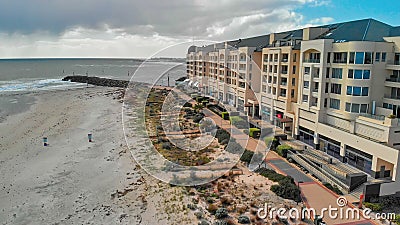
x=98 y=81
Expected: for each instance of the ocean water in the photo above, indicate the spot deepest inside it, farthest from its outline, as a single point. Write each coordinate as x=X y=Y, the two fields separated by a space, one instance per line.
x=20 y=75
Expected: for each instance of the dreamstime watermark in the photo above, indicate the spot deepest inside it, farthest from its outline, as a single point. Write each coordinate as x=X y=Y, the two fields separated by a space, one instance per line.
x=152 y=118
x=341 y=211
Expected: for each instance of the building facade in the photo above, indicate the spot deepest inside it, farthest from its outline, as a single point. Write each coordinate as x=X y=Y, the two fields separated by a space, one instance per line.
x=334 y=87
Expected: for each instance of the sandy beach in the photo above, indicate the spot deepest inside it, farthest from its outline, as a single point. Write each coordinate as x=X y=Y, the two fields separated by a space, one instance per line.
x=73 y=181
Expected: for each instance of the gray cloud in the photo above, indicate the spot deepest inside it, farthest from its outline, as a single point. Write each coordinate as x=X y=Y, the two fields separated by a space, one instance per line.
x=59 y=22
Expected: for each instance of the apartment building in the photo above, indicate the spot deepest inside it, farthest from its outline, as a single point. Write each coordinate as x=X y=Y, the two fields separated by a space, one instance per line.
x=230 y=72
x=334 y=87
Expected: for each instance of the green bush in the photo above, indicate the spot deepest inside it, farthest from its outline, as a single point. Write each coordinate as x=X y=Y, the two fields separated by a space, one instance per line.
x=376 y=207
x=225 y=115
x=254 y=132
x=187 y=104
x=271 y=141
x=333 y=188
x=247 y=156
x=238 y=122
x=282 y=150
x=287 y=190
x=222 y=135
x=221 y=213
x=243 y=219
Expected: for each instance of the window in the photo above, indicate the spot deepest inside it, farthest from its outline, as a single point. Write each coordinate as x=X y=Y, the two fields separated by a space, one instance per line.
x=294 y=57
x=377 y=56
x=293 y=81
x=357 y=91
x=294 y=70
x=334 y=103
x=327 y=72
x=383 y=57
x=325 y=102
x=352 y=56
x=327 y=88
x=340 y=57
x=356 y=108
x=359 y=74
x=359 y=58
x=305 y=98
x=328 y=58
x=307 y=70
x=336 y=89
x=306 y=84
x=337 y=73
x=368 y=58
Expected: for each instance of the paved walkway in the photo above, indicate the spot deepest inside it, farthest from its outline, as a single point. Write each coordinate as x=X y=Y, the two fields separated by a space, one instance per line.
x=314 y=194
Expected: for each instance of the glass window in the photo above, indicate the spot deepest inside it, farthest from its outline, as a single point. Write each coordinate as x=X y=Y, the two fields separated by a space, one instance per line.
x=364 y=108
x=350 y=74
x=365 y=91
x=357 y=91
x=327 y=72
x=305 y=98
x=383 y=56
x=349 y=90
x=358 y=74
x=306 y=84
x=377 y=56
x=306 y=70
x=355 y=108
x=352 y=56
x=335 y=103
x=348 y=107
x=367 y=74
x=368 y=58
x=337 y=73
x=359 y=58
x=336 y=89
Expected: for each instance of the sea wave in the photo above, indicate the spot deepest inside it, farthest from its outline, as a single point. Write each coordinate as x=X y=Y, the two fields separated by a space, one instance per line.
x=35 y=85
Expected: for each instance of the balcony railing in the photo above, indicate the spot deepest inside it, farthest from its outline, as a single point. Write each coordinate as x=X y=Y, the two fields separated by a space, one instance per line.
x=375 y=117
x=393 y=79
x=340 y=61
x=312 y=60
x=393 y=96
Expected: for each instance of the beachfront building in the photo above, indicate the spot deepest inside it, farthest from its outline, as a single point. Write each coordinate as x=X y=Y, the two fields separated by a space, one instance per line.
x=335 y=87
x=280 y=74
x=229 y=72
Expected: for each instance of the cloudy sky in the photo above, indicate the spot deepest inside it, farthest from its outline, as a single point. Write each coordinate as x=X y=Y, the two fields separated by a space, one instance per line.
x=132 y=28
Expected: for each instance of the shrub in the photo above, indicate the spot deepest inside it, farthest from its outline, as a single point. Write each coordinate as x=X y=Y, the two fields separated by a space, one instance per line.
x=204 y=222
x=166 y=145
x=220 y=222
x=282 y=150
x=376 y=207
x=225 y=115
x=333 y=188
x=222 y=135
x=187 y=104
x=199 y=215
x=243 y=219
x=254 y=132
x=247 y=156
x=198 y=118
x=221 y=213
x=212 y=208
x=271 y=141
x=392 y=116
x=287 y=190
x=234 y=148
x=239 y=122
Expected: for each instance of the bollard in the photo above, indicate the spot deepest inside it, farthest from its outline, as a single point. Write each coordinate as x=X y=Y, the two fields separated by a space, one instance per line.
x=45 y=141
x=90 y=137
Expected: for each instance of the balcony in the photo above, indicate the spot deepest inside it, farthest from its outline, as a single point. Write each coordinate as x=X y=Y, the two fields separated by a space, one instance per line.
x=311 y=61
x=393 y=82
x=340 y=61
x=393 y=65
x=394 y=97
